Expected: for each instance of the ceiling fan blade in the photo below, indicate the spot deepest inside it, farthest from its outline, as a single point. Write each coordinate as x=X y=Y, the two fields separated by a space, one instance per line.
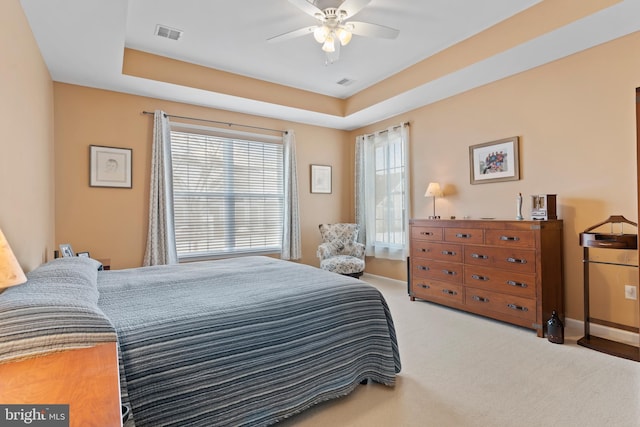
x=372 y=30
x=353 y=6
x=306 y=7
x=293 y=34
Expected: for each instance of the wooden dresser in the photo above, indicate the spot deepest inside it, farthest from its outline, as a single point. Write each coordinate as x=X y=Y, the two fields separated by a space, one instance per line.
x=507 y=270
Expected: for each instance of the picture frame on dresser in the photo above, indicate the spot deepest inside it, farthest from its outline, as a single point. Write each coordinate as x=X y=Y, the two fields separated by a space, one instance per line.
x=66 y=250
x=495 y=161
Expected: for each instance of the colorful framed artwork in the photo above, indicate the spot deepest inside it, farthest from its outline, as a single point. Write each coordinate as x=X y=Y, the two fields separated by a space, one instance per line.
x=495 y=161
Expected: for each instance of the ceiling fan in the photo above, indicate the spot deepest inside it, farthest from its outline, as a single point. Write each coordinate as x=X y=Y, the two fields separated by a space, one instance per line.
x=333 y=30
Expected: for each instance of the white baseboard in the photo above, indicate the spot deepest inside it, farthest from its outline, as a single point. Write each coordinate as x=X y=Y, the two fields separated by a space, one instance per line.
x=375 y=276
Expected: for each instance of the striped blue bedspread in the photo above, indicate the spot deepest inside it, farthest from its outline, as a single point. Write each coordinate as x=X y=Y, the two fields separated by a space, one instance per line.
x=56 y=310
x=245 y=341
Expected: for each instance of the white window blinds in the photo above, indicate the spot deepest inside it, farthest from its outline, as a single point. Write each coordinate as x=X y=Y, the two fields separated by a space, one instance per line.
x=228 y=192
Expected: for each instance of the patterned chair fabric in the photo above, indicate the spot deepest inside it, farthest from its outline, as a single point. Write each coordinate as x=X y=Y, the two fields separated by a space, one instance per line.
x=339 y=252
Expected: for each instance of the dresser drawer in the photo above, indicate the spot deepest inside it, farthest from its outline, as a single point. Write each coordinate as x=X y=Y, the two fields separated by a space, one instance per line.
x=519 y=260
x=433 y=290
x=511 y=305
x=464 y=235
x=492 y=279
x=510 y=238
x=426 y=233
x=437 y=251
x=437 y=270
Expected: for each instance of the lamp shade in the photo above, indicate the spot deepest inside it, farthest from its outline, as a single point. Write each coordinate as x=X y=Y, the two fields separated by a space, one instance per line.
x=328 y=45
x=321 y=33
x=344 y=36
x=433 y=190
x=11 y=273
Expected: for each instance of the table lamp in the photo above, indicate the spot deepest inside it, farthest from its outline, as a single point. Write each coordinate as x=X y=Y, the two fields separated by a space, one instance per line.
x=11 y=273
x=434 y=190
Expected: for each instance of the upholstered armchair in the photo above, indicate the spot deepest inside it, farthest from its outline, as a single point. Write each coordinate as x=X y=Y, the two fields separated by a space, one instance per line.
x=339 y=252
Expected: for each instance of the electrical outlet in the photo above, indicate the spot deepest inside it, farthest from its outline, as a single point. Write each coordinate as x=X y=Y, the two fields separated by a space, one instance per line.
x=630 y=292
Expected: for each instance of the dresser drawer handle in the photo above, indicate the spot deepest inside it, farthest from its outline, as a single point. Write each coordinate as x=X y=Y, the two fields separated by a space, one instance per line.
x=449 y=272
x=449 y=292
x=448 y=253
x=423 y=268
x=476 y=277
x=509 y=238
x=479 y=299
x=516 y=260
x=426 y=233
x=517 y=307
x=422 y=285
x=479 y=256
x=424 y=250
x=463 y=236
x=517 y=284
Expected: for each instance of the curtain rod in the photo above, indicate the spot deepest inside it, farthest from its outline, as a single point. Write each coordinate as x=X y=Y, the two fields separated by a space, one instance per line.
x=217 y=122
x=368 y=135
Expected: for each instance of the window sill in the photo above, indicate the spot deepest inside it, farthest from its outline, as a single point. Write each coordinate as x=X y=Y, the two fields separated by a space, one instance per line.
x=212 y=257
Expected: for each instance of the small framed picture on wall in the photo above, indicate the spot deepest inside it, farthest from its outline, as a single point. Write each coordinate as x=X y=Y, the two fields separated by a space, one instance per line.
x=321 y=179
x=110 y=167
x=495 y=161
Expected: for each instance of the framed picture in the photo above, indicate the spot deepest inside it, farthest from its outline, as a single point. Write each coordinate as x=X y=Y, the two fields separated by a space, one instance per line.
x=66 y=251
x=83 y=254
x=110 y=167
x=495 y=161
x=321 y=179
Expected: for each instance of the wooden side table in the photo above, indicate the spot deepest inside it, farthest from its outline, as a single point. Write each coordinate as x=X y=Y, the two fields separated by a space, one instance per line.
x=106 y=263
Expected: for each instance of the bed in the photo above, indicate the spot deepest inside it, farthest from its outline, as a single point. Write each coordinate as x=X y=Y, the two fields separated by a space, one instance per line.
x=244 y=341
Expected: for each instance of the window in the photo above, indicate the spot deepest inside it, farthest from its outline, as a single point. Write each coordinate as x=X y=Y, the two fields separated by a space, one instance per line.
x=382 y=192
x=390 y=192
x=228 y=193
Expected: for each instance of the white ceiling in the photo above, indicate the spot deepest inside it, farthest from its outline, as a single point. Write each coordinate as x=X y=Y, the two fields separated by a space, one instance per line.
x=232 y=36
x=82 y=42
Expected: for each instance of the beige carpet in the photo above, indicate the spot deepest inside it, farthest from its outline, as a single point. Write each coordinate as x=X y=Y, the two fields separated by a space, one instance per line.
x=464 y=370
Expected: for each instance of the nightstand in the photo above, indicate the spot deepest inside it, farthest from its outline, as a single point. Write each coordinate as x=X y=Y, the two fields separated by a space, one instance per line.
x=106 y=263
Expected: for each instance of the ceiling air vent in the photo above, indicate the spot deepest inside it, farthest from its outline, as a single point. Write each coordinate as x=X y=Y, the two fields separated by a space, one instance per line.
x=169 y=33
x=345 y=82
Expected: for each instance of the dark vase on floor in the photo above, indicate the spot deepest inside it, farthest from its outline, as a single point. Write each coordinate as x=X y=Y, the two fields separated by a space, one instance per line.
x=555 y=329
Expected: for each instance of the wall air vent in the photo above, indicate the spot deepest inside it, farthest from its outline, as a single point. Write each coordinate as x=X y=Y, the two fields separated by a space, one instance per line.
x=345 y=82
x=169 y=33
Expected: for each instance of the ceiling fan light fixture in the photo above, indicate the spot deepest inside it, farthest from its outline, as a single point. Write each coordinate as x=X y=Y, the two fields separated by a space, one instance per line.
x=344 y=36
x=321 y=33
x=328 y=45
x=332 y=29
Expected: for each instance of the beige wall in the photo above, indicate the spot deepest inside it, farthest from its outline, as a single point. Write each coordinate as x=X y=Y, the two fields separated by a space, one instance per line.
x=576 y=121
x=112 y=222
x=26 y=146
